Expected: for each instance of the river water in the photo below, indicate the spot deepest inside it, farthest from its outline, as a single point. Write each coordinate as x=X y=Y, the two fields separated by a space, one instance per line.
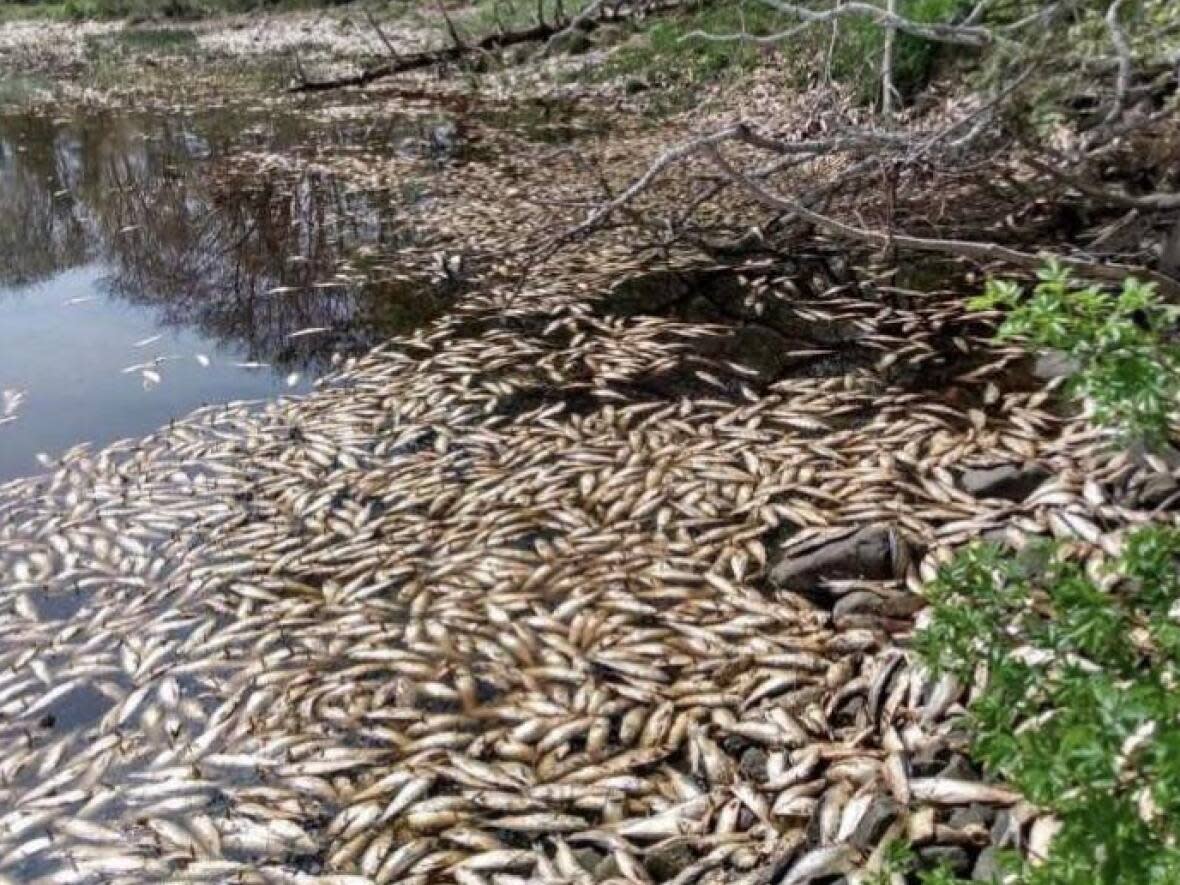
x=138 y=281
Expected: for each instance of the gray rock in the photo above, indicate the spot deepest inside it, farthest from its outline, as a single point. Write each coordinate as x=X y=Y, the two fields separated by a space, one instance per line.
x=1009 y=481
x=873 y=552
x=753 y=764
x=444 y=137
x=959 y=768
x=875 y=822
x=666 y=861
x=607 y=868
x=573 y=42
x=1053 y=364
x=1006 y=830
x=951 y=856
x=589 y=858
x=894 y=605
x=975 y=814
x=987 y=866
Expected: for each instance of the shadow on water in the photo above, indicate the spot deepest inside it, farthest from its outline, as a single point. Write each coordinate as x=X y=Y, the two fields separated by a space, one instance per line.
x=139 y=279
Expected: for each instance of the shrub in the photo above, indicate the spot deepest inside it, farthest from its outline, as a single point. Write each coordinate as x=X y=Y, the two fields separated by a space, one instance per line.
x=1081 y=706
x=1079 y=664
x=1126 y=363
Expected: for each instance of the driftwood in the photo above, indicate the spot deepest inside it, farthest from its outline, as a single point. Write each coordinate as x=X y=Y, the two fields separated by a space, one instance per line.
x=428 y=58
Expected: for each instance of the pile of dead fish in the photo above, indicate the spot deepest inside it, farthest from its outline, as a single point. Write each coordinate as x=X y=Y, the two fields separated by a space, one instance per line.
x=569 y=587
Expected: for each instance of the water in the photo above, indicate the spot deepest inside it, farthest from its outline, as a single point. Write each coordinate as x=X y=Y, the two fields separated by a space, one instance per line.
x=140 y=278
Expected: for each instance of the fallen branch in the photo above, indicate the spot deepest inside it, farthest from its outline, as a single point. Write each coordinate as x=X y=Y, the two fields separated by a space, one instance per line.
x=969 y=35
x=976 y=249
x=1164 y=202
x=428 y=58
x=709 y=145
x=579 y=22
x=1122 y=48
x=490 y=43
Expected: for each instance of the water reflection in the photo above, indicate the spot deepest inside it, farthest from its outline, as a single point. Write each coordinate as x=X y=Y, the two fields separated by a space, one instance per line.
x=115 y=229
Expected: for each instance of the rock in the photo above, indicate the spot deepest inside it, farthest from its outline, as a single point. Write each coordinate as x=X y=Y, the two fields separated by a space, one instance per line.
x=873 y=552
x=951 y=856
x=519 y=54
x=895 y=605
x=666 y=861
x=753 y=764
x=574 y=42
x=443 y=137
x=589 y=858
x=959 y=768
x=987 y=866
x=1009 y=481
x=1053 y=364
x=761 y=349
x=607 y=868
x=1006 y=829
x=875 y=822
x=608 y=34
x=975 y=814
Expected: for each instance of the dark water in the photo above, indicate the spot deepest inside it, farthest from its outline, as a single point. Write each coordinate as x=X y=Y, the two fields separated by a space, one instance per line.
x=140 y=277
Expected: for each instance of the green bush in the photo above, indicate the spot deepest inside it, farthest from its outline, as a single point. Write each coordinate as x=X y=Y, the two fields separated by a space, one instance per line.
x=1081 y=704
x=1120 y=343
x=1078 y=665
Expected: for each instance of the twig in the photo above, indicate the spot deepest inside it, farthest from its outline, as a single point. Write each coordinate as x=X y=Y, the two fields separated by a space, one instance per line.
x=393 y=53
x=1123 y=49
x=575 y=23
x=975 y=249
x=459 y=44
x=887 y=90
x=1164 y=202
x=969 y=35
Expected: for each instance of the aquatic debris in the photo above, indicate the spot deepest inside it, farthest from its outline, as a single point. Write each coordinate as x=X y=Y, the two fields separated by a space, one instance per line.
x=10 y=402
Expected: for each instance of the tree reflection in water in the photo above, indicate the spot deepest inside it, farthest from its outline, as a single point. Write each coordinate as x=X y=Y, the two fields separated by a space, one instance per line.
x=204 y=250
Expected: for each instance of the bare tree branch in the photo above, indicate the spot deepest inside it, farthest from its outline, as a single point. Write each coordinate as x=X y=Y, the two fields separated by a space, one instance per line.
x=1122 y=48
x=375 y=25
x=710 y=144
x=887 y=90
x=969 y=35
x=1164 y=202
x=578 y=20
x=959 y=248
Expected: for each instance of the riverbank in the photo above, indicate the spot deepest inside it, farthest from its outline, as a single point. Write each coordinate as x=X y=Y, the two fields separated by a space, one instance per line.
x=605 y=573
